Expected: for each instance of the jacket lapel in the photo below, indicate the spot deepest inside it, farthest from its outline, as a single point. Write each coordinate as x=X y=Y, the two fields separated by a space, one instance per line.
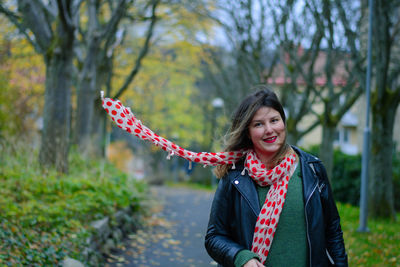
x=308 y=177
x=245 y=185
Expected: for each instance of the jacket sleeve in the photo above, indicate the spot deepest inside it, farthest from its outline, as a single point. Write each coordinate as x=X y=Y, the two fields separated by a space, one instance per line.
x=333 y=231
x=218 y=241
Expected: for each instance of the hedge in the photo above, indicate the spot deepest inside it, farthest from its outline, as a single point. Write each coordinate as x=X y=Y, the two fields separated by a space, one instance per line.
x=44 y=216
x=346 y=177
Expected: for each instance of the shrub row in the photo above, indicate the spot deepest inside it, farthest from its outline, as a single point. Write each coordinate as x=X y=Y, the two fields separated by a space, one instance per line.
x=45 y=217
x=346 y=177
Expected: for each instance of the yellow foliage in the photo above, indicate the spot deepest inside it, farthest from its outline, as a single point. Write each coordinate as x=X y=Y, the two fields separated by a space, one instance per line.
x=23 y=78
x=164 y=92
x=120 y=155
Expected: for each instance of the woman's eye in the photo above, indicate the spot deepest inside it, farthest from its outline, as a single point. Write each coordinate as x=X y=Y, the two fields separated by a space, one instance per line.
x=257 y=124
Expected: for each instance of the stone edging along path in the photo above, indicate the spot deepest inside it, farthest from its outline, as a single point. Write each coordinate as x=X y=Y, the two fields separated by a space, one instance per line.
x=107 y=234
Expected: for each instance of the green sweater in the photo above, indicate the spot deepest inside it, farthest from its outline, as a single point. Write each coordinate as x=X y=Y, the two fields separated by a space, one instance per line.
x=289 y=246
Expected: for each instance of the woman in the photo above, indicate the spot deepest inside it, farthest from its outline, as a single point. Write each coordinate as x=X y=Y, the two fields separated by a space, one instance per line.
x=274 y=207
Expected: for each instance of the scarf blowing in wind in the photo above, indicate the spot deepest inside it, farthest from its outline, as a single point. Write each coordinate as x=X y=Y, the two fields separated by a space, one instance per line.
x=277 y=178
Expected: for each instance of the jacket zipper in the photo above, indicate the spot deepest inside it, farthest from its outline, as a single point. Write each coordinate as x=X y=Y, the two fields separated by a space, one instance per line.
x=305 y=212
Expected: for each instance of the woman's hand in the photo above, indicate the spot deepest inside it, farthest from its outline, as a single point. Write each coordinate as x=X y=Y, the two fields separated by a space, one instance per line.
x=253 y=263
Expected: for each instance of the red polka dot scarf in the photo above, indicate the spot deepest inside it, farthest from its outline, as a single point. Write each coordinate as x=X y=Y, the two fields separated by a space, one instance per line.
x=277 y=178
x=125 y=120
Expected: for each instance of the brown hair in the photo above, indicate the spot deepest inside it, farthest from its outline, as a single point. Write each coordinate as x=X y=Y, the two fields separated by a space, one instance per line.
x=237 y=137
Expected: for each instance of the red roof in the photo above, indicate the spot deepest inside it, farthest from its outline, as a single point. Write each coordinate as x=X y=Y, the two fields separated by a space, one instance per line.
x=339 y=77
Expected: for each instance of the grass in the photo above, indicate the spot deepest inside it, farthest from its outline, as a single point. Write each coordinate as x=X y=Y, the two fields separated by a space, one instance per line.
x=379 y=247
x=45 y=217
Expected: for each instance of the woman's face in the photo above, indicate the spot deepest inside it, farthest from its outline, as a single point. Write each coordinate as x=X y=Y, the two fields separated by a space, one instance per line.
x=267 y=133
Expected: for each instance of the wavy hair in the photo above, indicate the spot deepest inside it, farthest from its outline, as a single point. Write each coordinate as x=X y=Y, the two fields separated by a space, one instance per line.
x=237 y=137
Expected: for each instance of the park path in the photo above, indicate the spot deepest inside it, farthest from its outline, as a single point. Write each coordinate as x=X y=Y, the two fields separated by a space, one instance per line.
x=174 y=235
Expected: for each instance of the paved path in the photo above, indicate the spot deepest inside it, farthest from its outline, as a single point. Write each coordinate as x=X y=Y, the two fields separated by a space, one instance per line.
x=175 y=236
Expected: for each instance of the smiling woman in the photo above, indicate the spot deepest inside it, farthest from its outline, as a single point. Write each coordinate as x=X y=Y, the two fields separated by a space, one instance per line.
x=267 y=133
x=269 y=202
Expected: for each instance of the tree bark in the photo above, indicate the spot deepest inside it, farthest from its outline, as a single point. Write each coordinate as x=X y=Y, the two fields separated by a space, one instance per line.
x=381 y=198
x=56 y=46
x=385 y=101
x=57 y=109
x=86 y=96
x=326 y=148
x=89 y=87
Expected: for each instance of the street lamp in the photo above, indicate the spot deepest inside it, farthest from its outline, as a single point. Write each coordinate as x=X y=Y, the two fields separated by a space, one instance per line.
x=175 y=163
x=365 y=154
x=217 y=104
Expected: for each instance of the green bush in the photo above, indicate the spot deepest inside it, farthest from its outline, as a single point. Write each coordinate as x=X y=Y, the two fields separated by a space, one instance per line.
x=346 y=177
x=379 y=247
x=44 y=217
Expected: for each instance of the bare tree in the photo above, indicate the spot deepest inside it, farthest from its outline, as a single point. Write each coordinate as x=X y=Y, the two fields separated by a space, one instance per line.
x=297 y=64
x=319 y=74
x=50 y=28
x=385 y=99
x=246 y=49
x=99 y=42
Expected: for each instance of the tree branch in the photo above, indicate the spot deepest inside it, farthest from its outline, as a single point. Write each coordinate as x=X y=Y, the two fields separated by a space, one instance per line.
x=310 y=128
x=35 y=18
x=15 y=19
x=111 y=26
x=351 y=37
x=50 y=9
x=142 y=53
x=64 y=10
x=75 y=8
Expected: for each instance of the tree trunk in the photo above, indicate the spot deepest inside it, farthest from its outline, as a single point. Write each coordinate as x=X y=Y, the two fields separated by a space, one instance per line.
x=57 y=110
x=85 y=107
x=381 y=195
x=384 y=104
x=88 y=82
x=96 y=146
x=57 y=107
x=326 y=149
x=84 y=117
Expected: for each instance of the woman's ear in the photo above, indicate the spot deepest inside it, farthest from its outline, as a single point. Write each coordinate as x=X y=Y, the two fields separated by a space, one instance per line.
x=248 y=139
x=248 y=133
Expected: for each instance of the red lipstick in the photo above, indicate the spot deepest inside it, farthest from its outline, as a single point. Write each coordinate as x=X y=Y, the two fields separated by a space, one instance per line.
x=270 y=140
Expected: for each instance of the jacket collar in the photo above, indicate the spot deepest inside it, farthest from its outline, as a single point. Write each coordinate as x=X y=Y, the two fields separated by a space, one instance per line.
x=245 y=185
x=309 y=178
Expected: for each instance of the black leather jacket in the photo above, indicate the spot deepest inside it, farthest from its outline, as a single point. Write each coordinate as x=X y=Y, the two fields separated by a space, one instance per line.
x=235 y=209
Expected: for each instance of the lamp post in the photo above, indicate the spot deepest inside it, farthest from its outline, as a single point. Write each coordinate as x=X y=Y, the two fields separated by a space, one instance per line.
x=365 y=155
x=175 y=138
x=217 y=104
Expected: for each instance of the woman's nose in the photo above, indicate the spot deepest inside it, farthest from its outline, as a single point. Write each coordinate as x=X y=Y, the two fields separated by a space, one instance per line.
x=268 y=128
